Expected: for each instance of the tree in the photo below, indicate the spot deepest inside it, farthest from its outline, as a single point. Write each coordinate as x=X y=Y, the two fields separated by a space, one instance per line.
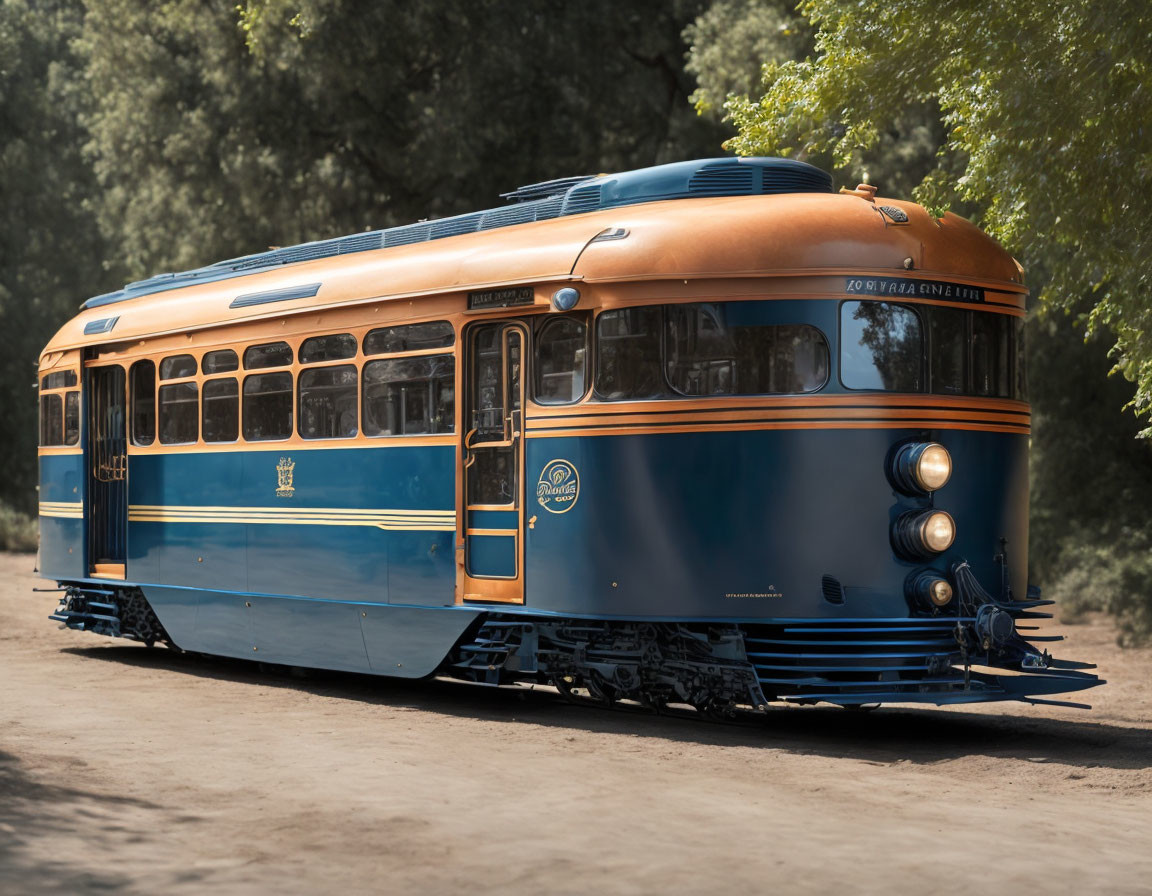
x=733 y=41
x=215 y=136
x=1048 y=132
x=50 y=250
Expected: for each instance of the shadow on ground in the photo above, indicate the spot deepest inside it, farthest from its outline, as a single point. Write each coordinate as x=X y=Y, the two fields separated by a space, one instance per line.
x=888 y=735
x=80 y=823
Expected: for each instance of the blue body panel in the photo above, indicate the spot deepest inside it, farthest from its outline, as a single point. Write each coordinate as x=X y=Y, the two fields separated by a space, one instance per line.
x=407 y=642
x=331 y=561
x=743 y=525
x=698 y=525
x=62 y=539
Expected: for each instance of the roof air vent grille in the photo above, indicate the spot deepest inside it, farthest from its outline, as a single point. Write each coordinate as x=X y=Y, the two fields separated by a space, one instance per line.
x=729 y=180
x=582 y=199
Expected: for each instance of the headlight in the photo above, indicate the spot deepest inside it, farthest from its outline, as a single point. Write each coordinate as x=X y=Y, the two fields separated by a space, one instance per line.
x=923 y=533
x=929 y=589
x=921 y=467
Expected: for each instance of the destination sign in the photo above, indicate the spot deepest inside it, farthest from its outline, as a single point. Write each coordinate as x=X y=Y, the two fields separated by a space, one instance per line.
x=501 y=298
x=906 y=288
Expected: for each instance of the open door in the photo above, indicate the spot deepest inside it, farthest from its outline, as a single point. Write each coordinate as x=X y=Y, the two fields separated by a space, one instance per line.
x=107 y=463
x=493 y=459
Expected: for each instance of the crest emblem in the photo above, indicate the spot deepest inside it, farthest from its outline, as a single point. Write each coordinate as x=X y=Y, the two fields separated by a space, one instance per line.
x=284 y=469
x=559 y=487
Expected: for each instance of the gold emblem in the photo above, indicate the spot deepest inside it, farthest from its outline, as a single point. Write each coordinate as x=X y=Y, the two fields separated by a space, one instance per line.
x=559 y=487
x=284 y=477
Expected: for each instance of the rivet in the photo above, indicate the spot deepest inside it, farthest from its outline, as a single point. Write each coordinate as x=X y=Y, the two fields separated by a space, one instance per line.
x=248 y=604
x=613 y=584
x=399 y=665
x=255 y=648
x=908 y=262
x=199 y=559
x=365 y=615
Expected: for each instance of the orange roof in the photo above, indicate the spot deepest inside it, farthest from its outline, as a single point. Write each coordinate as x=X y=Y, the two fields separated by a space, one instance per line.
x=707 y=238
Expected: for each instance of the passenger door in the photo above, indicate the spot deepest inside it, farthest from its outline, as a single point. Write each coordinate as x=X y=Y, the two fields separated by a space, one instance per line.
x=493 y=462
x=107 y=462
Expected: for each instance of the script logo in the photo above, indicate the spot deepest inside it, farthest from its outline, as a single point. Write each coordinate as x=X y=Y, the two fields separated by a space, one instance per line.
x=559 y=487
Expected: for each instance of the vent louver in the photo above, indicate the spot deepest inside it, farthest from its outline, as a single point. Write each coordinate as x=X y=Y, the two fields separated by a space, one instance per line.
x=832 y=589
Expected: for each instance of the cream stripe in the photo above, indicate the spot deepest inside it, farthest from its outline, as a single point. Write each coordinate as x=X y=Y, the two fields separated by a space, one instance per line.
x=68 y=510
x=343 y=511
x=396 y=520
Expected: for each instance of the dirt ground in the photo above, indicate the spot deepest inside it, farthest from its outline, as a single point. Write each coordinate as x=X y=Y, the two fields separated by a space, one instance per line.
x=131 y=770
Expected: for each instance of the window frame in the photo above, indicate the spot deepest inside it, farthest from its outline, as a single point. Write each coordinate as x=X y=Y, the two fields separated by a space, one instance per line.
x=925 y=344
x=407 y=356
x=204 y=386
x=542 y=323
x=154 y=431
x=189 y=381
x=298 y=397
x=279 y=371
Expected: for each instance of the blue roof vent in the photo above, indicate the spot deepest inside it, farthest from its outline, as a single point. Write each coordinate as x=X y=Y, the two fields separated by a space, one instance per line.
x=535 y=202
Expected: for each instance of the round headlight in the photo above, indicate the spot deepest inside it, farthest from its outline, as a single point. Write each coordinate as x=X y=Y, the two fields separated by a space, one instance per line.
x=923 y=533
x=920 y=467
x=933 y=467
x=937 y=531
x=939 y=593
x=930 y=589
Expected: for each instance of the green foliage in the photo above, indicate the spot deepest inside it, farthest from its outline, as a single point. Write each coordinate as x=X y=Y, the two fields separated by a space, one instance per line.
x=50 y=250
x=1091 y=544
x=1048 y=132
x=218 y=132
x=1114 y=581
x=732 y=41
x=18 y=531
x=736 y=43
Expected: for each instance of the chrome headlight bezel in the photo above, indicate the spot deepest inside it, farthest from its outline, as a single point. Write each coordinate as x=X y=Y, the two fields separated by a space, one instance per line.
x=920 y=534
x=929 y=589
x=920 y=468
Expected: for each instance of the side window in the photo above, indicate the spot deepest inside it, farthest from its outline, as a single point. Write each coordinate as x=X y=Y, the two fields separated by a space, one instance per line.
x=734 y=348
x=409 y=338
x=948 y=330
x=177 y=367
x=270 y=354
x=267 y=406
x=881 y=347
x=561 y=360
x=221 y=410
x=220 y=361
x=51 y=419
x=336 y=347
x=410 y=396
x=179 y=417
x=143 y=396
x=1020 y=384
x=59 y=380
x=991 y=358
x=328 y=402
x=72 y=418
x=628 y=354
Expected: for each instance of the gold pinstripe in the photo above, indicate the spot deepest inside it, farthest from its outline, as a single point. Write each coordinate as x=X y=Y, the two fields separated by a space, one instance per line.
x=68 y=510
x=402 y=520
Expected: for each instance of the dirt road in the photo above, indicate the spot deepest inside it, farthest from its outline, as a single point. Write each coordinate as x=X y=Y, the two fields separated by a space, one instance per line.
x=131 y=770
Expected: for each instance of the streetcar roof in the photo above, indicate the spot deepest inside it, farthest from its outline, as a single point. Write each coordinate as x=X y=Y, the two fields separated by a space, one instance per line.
x=767 y=233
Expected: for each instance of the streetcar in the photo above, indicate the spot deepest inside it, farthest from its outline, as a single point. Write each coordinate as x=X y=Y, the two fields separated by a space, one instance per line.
x=708 y=434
